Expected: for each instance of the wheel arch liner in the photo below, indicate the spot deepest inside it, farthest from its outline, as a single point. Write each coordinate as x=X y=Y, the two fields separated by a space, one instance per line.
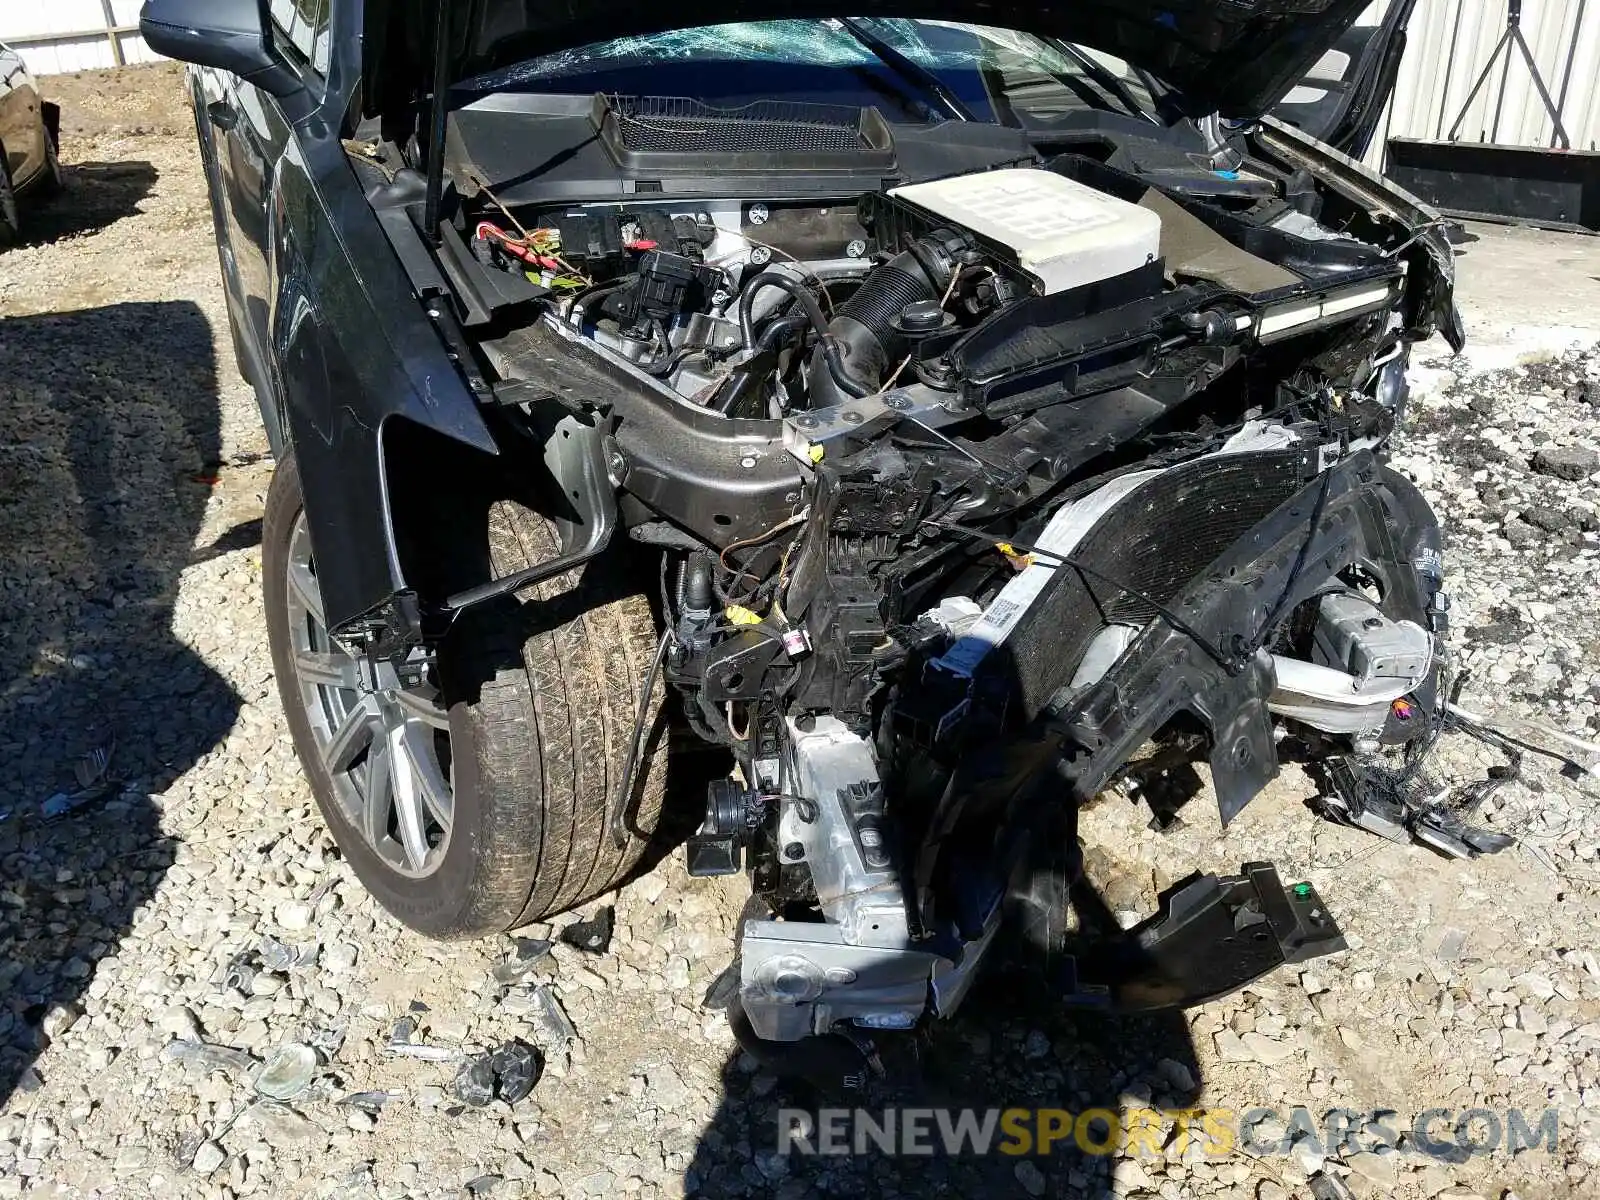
x=1166 y=672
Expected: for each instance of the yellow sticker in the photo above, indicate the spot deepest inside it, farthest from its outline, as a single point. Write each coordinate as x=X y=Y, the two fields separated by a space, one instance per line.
x=740 y=615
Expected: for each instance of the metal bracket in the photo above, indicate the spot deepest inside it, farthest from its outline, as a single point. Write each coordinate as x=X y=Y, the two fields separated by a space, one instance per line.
x=585 y=516
x=1512 y=37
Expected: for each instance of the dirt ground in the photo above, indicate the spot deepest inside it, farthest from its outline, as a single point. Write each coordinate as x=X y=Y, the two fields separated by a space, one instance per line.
x=131 y=483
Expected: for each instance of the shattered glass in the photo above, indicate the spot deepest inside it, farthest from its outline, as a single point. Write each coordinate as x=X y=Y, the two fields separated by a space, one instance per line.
x=948 y=49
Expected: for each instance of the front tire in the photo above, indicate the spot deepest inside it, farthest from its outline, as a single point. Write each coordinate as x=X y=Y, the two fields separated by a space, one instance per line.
x=51 y=179
x=10 y=220
x=472 y=796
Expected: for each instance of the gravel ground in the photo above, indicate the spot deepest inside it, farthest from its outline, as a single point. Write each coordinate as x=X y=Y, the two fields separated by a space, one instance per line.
x=193 y=900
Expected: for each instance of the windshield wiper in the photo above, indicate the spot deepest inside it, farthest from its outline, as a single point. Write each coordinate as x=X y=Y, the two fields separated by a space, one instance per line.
x=915 y=72
x=1105 y=77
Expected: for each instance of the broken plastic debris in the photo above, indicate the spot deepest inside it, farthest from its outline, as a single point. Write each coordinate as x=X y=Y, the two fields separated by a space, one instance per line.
x=328 y=1042
x=520 y=1002
x=508 y=1073
x=58 y=805
x=423 y=1051
x=369 y=1101
x=400 y=1043
x=1451 y=945
x=529 y=949
x=92 y=771
x=282 y=1121
x=551 y=1019
x=210 y=1057
x=1403 y=799
x=517 y=1066
x=721 y=990
x=240 y=973
x=288 y=1072
x=62 y=803
x=526 y=953
x=279 y=956
x=474 y=1082
x=1330 y=1187
x=593 y=935
x=318 y=892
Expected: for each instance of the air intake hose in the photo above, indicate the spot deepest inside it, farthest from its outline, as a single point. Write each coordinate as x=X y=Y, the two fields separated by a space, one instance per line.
x=862 y=328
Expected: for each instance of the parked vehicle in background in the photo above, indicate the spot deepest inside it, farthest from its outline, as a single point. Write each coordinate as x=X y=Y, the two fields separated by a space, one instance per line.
x=30 y=131
x=954 y=421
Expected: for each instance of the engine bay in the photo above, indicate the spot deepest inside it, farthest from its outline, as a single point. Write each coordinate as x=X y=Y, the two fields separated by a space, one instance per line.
x=763 y=309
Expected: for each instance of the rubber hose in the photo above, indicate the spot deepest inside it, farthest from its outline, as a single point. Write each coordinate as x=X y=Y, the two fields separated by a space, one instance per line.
x=585 y=302
x=782 y=282
x=666 y=366
x=779 y=331
x=813 y=311
x=697 y=591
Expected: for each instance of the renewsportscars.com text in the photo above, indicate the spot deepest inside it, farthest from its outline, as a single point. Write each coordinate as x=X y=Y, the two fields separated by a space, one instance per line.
x=1442 y=1133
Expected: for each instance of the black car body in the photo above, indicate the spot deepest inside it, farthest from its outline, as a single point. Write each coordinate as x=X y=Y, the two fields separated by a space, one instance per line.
x=955 y=421
x=30 y=127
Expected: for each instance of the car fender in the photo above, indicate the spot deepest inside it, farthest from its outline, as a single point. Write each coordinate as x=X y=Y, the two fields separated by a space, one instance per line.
x=352 y=347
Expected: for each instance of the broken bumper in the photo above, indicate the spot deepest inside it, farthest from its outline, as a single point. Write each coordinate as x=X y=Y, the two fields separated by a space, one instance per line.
x=1211 y=937
x=805 y=1000
x=799 y=981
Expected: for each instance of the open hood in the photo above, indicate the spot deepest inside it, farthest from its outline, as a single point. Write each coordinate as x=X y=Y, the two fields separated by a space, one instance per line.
x=1236 y=57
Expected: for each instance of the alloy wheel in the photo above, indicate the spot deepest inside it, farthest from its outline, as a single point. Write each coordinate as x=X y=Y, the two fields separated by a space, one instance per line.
x=385 y=744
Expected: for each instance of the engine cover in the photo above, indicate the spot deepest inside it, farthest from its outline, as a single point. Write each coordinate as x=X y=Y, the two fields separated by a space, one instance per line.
x=1063 y=234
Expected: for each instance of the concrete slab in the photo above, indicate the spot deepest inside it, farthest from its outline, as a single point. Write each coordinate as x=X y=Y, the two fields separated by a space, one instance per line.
x=1526 y=293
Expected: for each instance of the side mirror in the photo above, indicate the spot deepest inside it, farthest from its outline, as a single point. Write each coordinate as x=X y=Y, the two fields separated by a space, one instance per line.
x=230 y=35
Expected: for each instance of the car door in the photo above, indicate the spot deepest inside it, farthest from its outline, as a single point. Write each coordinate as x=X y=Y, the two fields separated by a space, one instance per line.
x=250 y=132
x=1342 y=97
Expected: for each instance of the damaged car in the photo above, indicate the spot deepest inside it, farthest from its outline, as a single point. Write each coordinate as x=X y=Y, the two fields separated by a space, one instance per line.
x=946 y=423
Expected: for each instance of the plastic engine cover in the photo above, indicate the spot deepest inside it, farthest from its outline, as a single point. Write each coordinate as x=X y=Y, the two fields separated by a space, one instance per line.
x=1064 y=234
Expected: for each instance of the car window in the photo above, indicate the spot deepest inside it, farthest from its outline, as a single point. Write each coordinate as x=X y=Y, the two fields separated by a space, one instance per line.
x=999 y=74
x=302 y=29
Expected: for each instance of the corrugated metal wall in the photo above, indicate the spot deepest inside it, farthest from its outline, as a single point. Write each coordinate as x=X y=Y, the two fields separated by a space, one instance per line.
x=73 y=35
x=1449 y=44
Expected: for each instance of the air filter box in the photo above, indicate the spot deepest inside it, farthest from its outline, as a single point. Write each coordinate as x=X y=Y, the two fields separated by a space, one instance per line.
x=1057 y=231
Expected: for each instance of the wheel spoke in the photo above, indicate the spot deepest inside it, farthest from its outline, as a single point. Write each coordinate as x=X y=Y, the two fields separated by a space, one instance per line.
x=379 y=790
x=407 y=801
x=422 y=703
x=303 y=585
x=354 y=733
x=325 y=669
x=433 y=789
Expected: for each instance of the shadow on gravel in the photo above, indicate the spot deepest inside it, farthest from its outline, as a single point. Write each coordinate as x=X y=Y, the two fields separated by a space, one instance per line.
x=1012 y=1045
x=106 y=418
x=94 y=195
